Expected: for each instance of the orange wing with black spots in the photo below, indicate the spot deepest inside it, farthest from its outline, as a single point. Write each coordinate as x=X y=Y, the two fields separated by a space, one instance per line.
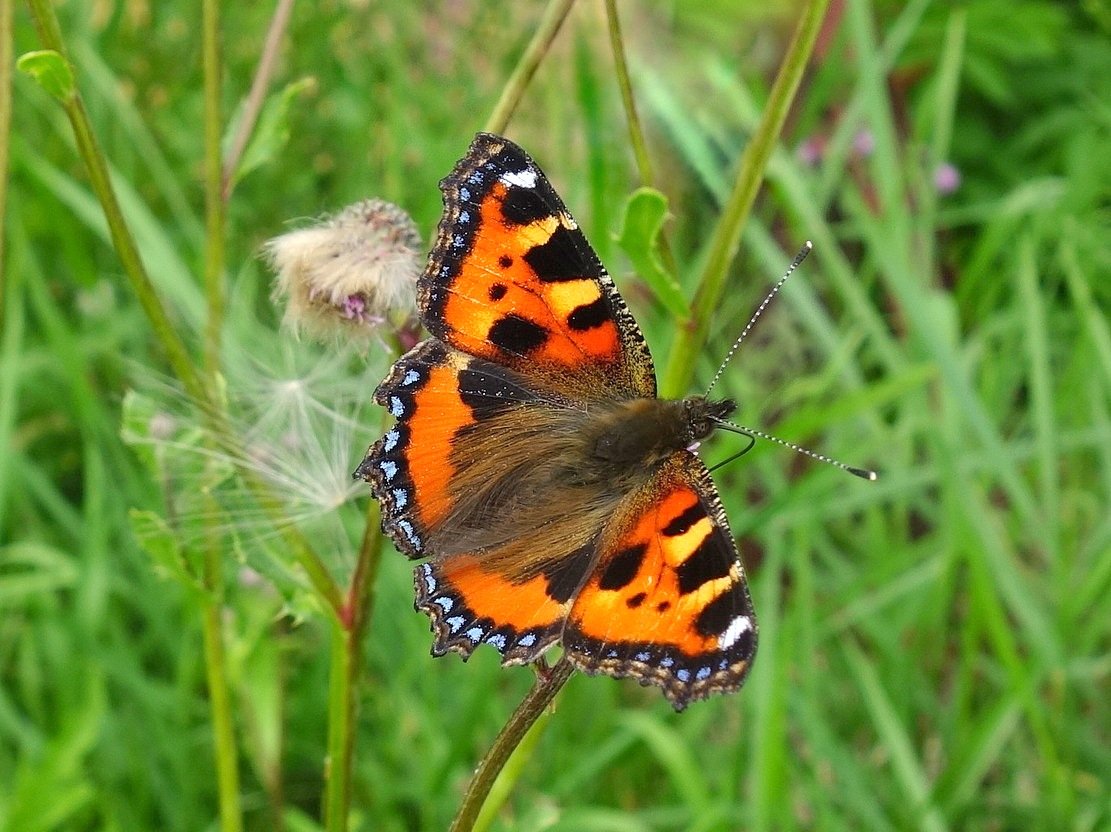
x=513 y=280
x=667 y=601
x=554 y=495
x=434 y=393
x=471 y=604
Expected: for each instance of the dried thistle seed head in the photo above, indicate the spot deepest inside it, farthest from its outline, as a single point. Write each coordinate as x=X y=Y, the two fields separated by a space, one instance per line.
x=346 y=274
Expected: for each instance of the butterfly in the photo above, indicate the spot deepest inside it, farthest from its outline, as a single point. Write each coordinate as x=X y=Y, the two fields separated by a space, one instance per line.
x=552 y=496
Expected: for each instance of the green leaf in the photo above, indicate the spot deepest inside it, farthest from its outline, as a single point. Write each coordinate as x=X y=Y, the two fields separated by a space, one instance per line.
x=29 y=569
x=644 y=216
x=158 y=540
x=52 y=72
x=272 y=131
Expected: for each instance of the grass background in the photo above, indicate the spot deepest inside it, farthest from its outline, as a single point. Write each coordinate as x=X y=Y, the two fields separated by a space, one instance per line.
x=934 y=647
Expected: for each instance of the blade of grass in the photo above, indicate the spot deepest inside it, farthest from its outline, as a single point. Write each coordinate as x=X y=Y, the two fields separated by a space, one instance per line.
x=1042 y=396
x=726 y=238
x=554 y=14
x=890 y=731
x=1095 y=321
x=668 y=748
x=7 y=64
x=765 y=775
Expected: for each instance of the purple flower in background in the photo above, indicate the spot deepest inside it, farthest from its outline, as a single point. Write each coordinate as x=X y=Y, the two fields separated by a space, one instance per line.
x=864 y=142
x=810 y=151
x=947 y=178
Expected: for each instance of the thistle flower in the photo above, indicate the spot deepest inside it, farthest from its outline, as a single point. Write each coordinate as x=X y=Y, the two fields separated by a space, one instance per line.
x=346 y=274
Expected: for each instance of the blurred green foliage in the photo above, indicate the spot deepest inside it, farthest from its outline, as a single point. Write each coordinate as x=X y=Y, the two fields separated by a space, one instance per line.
x=934 y=648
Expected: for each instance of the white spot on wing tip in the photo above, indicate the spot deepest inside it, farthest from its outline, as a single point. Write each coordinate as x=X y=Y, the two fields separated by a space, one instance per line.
x=521 y=179
x=737 y=627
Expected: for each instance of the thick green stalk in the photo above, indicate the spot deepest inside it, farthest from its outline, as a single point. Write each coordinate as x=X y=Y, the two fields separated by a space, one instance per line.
x=348 y=636
x=219 y=691
x=726 y=239
x=507 y=741
x=219 y=697
x=341 y=729
x=515 y=87
x=213 y=190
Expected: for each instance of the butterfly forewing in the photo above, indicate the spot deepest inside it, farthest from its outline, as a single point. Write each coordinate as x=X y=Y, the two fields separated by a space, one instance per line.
x=513 y=279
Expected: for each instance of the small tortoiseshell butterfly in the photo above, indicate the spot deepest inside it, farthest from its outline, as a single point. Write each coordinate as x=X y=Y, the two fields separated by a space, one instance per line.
x=556 y=498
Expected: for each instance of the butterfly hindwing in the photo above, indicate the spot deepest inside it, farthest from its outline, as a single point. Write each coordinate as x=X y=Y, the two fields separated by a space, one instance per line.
x=471 y=605
x=667 y=601
x=512 y=279
x=434 y=393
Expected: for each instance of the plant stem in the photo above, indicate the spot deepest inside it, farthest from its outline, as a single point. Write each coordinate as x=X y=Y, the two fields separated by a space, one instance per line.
x=530 y=709
x=621 y=67
x=213 y=192
x=219 y=695
x=261 y=82
x=223 y=726
x=514 y=89
x=6 y=65
x=341 y=719
x=690 y=340
x=348 y=635
x=636 y=132
x=89 y=150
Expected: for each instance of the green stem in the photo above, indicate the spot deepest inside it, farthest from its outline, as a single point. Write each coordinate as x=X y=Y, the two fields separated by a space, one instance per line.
x=89 y=151
x=257 y=96
x=341 y=721
x=213 y=190
x=636 y=132
x=348 y=635
x=6 y=65
x=621 y=67
x=514 y=89
x=726 y=239
x=219 y=697
x=530 y=709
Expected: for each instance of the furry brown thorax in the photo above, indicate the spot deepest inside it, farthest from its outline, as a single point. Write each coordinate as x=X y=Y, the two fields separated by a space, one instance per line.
x=643 y=432
x=550 y=457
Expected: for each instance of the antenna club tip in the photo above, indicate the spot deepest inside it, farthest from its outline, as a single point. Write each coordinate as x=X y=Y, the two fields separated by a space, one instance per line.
x=808 y=245
x=864 y=474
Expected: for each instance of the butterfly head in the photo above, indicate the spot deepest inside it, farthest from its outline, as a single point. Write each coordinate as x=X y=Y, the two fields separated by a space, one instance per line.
x=701 y=415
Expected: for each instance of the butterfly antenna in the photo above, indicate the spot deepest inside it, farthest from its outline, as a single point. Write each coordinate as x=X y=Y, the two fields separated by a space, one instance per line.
x=805 y=250
x=751 y=433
